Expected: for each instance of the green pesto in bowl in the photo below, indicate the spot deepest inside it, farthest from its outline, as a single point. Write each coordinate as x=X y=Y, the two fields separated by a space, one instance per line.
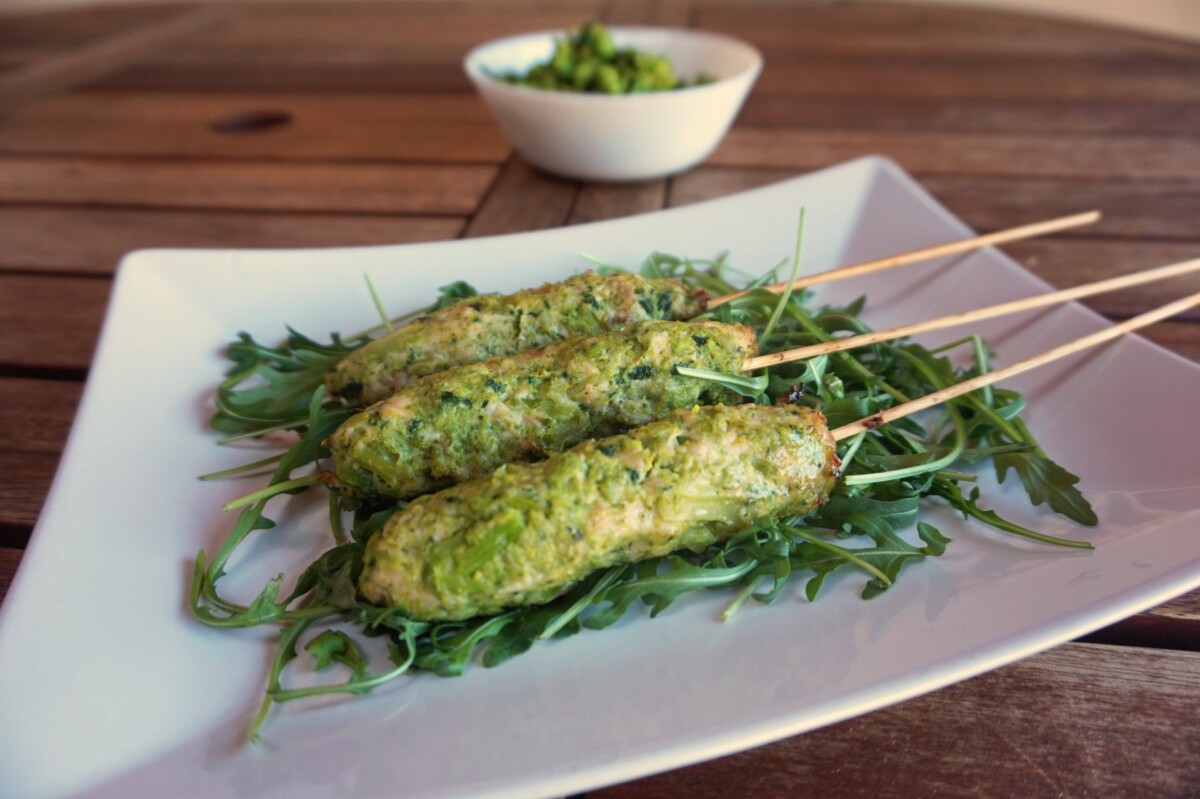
x=587 y=60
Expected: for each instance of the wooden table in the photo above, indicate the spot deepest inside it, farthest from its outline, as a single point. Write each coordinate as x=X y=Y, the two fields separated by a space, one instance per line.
x=344 y=123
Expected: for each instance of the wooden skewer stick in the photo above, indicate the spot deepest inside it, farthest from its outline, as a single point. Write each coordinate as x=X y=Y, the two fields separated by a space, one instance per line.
x=989 y=312
x=925 y=254
x=1032 y=362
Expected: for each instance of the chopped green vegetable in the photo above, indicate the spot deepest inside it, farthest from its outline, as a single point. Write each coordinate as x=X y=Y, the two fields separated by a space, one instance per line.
x=587 y=60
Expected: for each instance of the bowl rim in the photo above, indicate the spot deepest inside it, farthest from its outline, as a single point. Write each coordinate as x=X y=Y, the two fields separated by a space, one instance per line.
x=473 y=66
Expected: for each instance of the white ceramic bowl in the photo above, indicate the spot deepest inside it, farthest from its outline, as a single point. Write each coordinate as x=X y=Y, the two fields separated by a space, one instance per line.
x=618 y=137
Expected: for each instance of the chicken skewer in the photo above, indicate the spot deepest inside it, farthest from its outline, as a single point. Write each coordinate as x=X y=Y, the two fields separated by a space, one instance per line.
x=528 y=532
x=464 y=422
x=493 y=326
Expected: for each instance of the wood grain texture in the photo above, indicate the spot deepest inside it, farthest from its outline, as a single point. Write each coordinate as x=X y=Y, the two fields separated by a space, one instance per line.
x=452 y=127
x=34 y=237
x=9 y=558
x=1181 y=338
x=50 y=323
x=35 y=417
x=1040 y=727
x=50 y=74
x=64 y=29
x=523 y=199
x=380 y=33
x=708 y=182
x=451 y=189
x=1066 y=156
x=863 y=29
x=259 y=73
x=670 y=13
x=1003 y=78
x=1150 y=211
x=1183 y=607
x=381 y=47
x=1139 y=116
x=598 y=201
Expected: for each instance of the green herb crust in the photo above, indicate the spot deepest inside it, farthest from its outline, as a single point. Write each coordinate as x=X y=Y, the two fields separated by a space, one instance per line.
x=464 y=422
x=528 y=532
x=492 y=326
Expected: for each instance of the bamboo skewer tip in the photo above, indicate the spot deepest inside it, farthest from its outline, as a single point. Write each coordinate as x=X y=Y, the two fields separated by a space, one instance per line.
x=1032 y=362
x=1018 y=233
x=988 y=312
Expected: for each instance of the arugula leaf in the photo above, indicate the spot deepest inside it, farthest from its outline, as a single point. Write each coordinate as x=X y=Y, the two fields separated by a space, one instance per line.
x=517 y=637
x=969 y=505
x=332 y=578
x=453 y=293
x=886 y=558
x=660 y=590
x=265 y=607
x=751 y=387
x=270 y=388
x=842 y=512
x=1046 y=483
x=450 y=646
x=335 y=646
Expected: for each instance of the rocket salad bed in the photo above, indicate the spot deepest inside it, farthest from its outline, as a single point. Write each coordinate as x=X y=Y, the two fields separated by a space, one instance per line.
x=887 y=473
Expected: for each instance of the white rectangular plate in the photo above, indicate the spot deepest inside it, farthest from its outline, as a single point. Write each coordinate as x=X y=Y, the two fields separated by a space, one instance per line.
x=109 y=688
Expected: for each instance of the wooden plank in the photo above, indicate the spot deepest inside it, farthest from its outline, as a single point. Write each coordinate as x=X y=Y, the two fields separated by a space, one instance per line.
x=48 y=75
x=66 y=28
x=999 y=78
x=597 y=201
x=380 y=32
x=35 y=417
x=1180 y=338
x=1138 y=116
x=665 y=13
x=1148 y=210
x=378 y=47
x=1071 y=261
x=1064 y=156
x=991 y=78
x=302 y=72
x=50 y=323
x=1061 y=723
x=452 y=128
x=1183 y=607
x=452 y=189
x=34 y=237
x=9 y=558
x=861 y=29
x=523 y=199
x=708 y=182
x=451 y=11
x=11 y=60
